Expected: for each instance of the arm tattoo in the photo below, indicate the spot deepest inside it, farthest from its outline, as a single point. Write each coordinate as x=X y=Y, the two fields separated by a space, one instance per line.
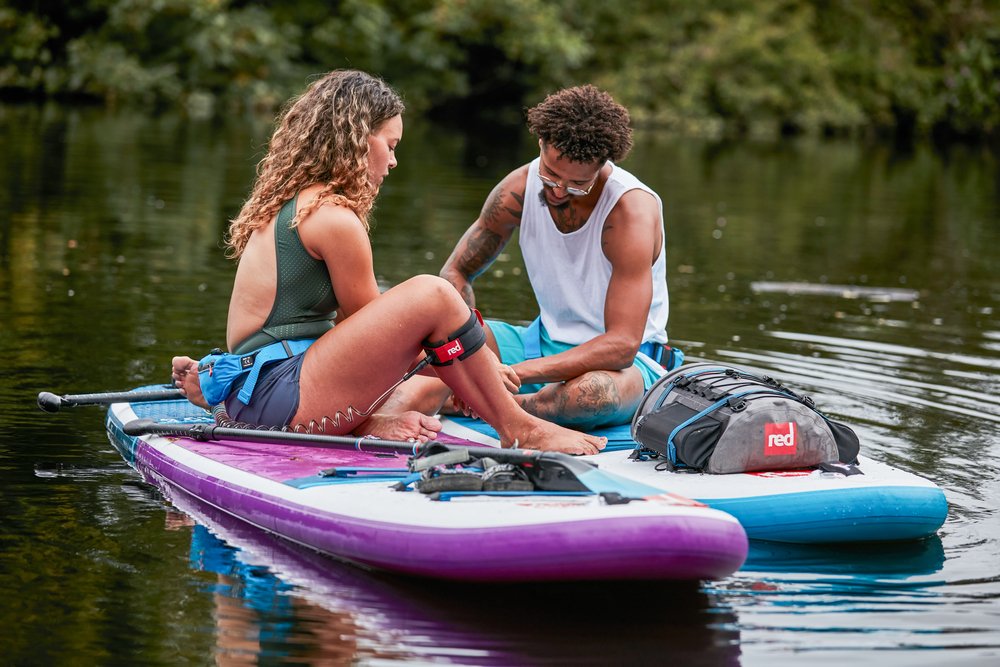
x=468 y=295
x=604 y=233
x=480 y=250
x=495 y=207
x=483 y=245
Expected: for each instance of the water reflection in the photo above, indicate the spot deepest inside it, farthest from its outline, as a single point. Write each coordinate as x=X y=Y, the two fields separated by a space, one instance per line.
x=278 y=602
x=837 y=602
x=110 y=264
x=855 y=565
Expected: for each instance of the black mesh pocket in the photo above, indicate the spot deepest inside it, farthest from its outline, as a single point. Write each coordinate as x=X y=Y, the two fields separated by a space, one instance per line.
x=694 y=444
x=847 y=441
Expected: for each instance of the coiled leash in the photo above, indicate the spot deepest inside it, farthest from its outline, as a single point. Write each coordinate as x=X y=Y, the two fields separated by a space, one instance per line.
x=466 y=340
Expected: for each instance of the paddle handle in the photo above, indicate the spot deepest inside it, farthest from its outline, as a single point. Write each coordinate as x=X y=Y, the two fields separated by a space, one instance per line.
x=50 y=402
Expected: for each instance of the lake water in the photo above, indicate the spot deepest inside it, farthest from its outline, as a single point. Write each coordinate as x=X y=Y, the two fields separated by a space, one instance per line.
x=863 y=274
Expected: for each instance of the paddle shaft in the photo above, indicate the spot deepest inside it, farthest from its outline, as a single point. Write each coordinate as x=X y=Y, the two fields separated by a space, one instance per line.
x=50 y=402
x=547 y=470
x=205 y=432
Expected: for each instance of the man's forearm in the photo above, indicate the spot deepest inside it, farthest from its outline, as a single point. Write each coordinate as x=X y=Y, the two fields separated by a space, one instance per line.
x=461 y=283
x=598 y=354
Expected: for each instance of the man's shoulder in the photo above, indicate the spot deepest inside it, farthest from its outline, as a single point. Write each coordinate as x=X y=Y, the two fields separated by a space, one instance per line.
x=517 y=177
x=629 y=181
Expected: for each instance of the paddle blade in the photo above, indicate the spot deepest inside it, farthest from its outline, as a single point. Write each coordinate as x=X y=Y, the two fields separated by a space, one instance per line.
x=49 y=402
x=600 y=481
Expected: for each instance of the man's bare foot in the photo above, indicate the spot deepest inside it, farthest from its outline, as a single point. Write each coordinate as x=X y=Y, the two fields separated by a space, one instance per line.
x=184 y=371
x=549 y=437
x=404 y=426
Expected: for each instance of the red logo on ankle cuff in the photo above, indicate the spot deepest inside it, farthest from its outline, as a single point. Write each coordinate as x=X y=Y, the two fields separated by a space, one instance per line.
x=448 y=351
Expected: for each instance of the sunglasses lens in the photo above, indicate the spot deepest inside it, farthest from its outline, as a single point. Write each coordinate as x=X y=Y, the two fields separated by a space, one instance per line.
x=576 y=192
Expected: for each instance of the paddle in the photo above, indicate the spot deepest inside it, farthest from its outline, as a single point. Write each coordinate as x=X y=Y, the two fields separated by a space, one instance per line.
x=205 y=432
x=551 y=471
x=49 y=402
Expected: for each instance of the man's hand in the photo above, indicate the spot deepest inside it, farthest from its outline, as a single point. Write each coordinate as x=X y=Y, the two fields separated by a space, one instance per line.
x=510 y=381
x=510 y=378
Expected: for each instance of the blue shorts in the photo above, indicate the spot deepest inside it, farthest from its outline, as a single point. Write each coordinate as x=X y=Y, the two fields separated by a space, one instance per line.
x=275 y=399
x=512 y=341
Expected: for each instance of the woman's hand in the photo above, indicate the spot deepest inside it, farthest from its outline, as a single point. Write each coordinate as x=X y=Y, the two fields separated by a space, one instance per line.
x=184 y=371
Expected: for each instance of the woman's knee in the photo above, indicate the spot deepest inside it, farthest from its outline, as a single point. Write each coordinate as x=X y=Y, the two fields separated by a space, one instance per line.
x=432 y=293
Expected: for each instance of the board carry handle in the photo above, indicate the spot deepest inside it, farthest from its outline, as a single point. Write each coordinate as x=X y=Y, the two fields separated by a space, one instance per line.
x=50 y=402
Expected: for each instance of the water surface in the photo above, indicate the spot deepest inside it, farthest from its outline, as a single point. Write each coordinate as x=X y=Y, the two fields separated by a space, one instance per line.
x=863 y=274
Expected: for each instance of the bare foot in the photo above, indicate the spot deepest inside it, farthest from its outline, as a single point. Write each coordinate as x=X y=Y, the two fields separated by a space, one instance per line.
x=184 y=371
x=410 y=425
x=548 y=437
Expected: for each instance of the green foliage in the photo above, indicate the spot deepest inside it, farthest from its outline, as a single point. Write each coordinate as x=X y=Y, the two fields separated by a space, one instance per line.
x=107 y=70
x=437 y=51
x=191 y=52
x=971 y=94
x=742 y=64
x=24 y=53
x=713 y=66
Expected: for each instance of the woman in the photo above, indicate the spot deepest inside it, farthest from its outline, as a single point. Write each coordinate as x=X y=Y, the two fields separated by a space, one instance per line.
x=305 y=258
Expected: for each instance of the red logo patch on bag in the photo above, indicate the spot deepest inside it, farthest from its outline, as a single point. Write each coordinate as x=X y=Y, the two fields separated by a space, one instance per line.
x=780 y=439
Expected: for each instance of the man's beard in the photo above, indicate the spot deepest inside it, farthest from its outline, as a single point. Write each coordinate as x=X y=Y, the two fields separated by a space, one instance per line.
x=545 y=202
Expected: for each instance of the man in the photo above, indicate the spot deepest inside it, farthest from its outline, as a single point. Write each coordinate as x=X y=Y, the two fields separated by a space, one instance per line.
x=592 y=238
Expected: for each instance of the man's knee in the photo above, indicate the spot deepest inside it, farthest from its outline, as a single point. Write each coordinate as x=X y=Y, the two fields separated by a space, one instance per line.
x=594 y=393
x=589 y=400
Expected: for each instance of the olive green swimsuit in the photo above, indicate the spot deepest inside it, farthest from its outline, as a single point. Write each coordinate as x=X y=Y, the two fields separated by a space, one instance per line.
x=304 y=302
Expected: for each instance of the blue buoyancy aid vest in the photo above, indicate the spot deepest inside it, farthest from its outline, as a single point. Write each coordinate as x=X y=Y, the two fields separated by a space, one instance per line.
x=218 y=370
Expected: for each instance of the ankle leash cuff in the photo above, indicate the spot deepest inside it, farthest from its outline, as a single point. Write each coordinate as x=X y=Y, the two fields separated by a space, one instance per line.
x=464 y=342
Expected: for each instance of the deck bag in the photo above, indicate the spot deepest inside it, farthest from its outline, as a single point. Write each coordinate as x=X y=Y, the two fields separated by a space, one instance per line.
x=720 y=419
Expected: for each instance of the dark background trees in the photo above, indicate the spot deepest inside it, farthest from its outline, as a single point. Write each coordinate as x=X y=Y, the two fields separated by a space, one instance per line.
x=729 y=66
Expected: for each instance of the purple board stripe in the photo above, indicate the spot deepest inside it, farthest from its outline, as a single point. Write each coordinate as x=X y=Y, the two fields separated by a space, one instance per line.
x=682 y=547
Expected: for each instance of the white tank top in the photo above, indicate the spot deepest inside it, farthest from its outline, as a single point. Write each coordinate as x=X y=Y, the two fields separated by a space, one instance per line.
x=569 y=272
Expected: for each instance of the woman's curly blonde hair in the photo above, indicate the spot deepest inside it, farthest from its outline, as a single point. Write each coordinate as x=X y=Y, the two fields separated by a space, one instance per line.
x=322 y=137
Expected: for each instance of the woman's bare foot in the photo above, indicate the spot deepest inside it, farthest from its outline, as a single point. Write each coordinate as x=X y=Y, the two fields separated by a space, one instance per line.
x=184 y=371
x=549 y=437
x=404 y=426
